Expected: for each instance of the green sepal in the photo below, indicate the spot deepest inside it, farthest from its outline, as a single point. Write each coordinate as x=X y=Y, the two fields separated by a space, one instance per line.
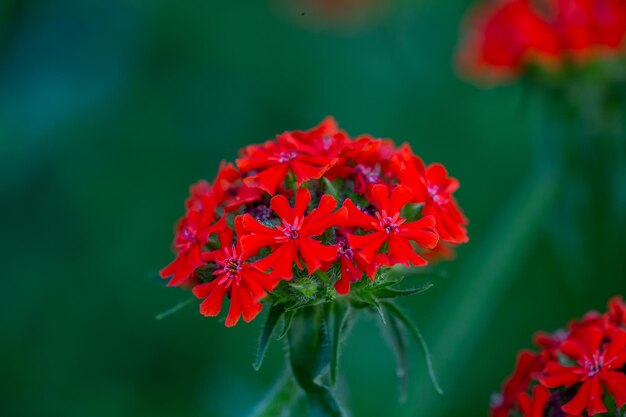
x=273 y=316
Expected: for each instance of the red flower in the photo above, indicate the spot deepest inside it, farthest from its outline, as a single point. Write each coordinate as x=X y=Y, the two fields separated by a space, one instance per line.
x=294 y=237
x=352 y=265
x=324 y=139
x=599 y=355
x=390 y=228
x=229 y=189
x=192 y=233
x=526 y=366
x=617 y=311
x=271 y=162
x=242 y=281
x=583 y=24
x=534 y=407
x=433 y=187
x=502 y=36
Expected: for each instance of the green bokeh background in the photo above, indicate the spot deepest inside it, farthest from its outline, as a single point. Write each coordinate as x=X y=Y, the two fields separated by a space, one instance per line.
x=110 y=109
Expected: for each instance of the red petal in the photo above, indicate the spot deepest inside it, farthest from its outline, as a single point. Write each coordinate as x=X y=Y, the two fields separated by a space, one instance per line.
x=269 y=179
x=280 y=261
x=400 y=196
x=615 y=383
x=212 y=305
x=280 y=205
x=380 y=195
x=314 y=253
x=234 y=312
x=356 y=218
x=303 y=198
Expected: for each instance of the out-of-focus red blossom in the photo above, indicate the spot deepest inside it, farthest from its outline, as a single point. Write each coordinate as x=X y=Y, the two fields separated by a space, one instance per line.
x=502 y=36
x=586 y=24
x=617 y=311
x=575 y=371
x=314 y=199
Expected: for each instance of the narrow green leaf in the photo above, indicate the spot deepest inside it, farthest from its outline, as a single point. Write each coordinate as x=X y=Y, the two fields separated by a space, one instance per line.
x=340 y=311
x=461 y=320
x=395 y=311
x=387 y=292
x=287 y=319
x=174 y=309
x=273 y=316
x=280 y=400
x=398 y=343
x=372 y=302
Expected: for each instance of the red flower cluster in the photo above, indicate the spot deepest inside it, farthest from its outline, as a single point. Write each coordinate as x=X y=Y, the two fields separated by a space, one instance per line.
x=575 y=372
x=311 y=201
x=502 y=36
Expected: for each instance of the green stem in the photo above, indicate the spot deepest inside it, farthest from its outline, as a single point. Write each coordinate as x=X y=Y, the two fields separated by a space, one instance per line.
x=462 y=317
x=279 y=401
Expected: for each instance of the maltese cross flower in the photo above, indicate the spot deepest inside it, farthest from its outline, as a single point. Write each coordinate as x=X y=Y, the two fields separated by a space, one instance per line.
x=242 y=281
x=390 y=228
x=597 y=365
x=293 y=238
x=270 y=163
x=192 y=234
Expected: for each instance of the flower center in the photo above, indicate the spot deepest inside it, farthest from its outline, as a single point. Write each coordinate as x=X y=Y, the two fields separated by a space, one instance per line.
x=290 y=231
x=189 y=235
x=229 y=270
x=433 y=192
x=327 y=143
x=369 y=174
x=287 y=156
x=389 y=224
x=594 y=364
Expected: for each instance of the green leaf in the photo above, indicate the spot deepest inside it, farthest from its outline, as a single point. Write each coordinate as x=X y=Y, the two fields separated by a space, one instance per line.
x=287 y=319
x=280 y=400
x=339 y=316
x=398 y=343
x=461 y=320
x=174 y=309
x=330 y=188
x=417 y=335
x=309 y=357
x=274 y=315
x=367 y=299
x=387 y=292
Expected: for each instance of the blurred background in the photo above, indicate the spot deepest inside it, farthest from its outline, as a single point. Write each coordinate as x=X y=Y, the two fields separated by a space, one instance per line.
x=110 y=109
